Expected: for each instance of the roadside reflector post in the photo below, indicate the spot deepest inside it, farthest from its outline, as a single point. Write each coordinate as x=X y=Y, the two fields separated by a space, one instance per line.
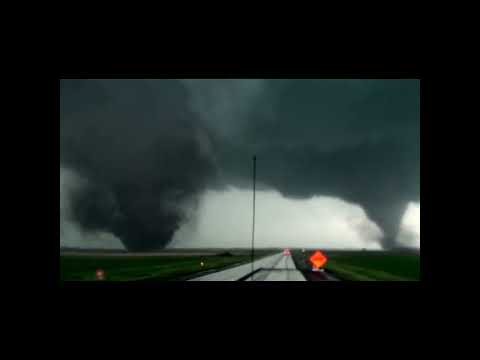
x=100 y=274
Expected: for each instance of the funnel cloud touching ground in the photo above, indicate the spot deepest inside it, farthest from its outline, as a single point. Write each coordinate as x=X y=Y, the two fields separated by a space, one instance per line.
x=143 y=154
x=409 y=232
x=147 y=149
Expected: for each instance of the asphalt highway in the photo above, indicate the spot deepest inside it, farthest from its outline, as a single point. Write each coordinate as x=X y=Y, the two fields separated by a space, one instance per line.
x=278 y=267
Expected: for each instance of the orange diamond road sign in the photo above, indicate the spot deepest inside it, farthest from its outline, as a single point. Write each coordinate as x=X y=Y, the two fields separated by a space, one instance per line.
x=318 y=260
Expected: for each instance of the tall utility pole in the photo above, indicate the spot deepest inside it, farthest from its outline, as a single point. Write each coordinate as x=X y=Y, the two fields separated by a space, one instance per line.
x=253 y=223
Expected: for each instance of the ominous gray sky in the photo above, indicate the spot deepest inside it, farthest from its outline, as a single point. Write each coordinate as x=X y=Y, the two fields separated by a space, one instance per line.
x=224 y=220
x=143 y=155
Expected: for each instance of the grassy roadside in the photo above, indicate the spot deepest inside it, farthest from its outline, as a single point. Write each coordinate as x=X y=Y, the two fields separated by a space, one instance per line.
x=383 y=266
x=368 y=266
x=356 y=273
x=134 y=268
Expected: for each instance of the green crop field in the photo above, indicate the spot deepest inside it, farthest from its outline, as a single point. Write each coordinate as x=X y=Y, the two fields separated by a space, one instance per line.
x=368 y=265
x=134 y=268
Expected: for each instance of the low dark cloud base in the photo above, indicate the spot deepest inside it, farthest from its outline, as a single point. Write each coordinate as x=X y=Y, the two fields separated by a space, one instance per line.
x=149 y=147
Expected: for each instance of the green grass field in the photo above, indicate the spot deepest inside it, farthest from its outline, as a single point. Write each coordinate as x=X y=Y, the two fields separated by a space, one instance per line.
x=370 y=265
x=350 y=266
x=124 y=268
x=378 y=267
x=137 y=268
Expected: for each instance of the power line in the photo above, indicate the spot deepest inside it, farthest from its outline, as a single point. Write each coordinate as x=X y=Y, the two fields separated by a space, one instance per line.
x=253 y=222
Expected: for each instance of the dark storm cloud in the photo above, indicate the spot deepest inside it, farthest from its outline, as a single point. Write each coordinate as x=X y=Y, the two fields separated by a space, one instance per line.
x=147 y=147
x=354 y=139
x=142 y=151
